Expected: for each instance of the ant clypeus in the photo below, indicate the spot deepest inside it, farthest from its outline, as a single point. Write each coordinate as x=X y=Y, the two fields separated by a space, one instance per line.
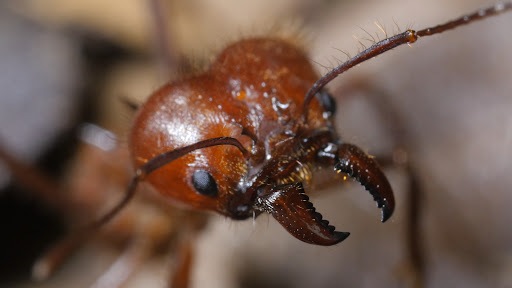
x=331 y=237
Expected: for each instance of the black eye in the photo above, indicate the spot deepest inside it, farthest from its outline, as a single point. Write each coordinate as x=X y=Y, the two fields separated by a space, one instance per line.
x=327 y=101
x=204 y=183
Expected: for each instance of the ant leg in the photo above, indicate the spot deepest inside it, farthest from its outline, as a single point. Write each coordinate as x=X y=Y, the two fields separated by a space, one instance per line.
x=132 y=257
x=46 y=265
x=184 y=261
x=32 y=179
x=167 y=53
x=184 y=252
x=415 y=270
x=395 y=126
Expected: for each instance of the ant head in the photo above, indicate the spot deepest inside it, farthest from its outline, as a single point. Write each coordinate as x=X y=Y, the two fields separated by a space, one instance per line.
x=254 y=93
x=255 y=97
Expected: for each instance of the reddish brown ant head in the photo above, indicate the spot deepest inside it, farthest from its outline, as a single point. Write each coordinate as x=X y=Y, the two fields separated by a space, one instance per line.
x=243 y=137
x=253 y=95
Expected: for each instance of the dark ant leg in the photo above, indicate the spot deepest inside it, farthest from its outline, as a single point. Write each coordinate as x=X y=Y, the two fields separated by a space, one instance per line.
x=414 y=239
x=184 y=260
x=184 y=252
x=132 y=257
x=50 y=261
x=395 y=126
x=32 y=179
x=167 y=55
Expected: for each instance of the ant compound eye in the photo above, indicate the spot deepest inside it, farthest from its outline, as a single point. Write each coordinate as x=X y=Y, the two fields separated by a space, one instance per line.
x=327 y=101
x=204 y=183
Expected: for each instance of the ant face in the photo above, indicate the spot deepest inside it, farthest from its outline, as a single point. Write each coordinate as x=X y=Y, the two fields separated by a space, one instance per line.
x=253 y=92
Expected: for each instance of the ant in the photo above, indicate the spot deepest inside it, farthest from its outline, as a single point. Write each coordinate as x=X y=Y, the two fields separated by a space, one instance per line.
x=264 y=167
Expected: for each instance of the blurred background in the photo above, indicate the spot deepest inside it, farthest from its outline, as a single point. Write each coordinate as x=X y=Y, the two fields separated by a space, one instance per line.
x=64 y=63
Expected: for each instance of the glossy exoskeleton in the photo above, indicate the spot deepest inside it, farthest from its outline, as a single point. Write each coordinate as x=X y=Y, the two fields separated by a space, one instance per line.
x=251 y=103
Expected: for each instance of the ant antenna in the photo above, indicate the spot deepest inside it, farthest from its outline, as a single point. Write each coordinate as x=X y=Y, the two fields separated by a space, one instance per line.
x=407 y=37
x=158 y=162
